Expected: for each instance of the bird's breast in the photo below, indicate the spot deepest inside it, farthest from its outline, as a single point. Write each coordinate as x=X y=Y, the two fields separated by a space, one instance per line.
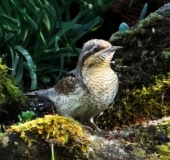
x=102 y=85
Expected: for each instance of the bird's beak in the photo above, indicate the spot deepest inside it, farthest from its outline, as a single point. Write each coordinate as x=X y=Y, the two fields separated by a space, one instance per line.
x=114 y=48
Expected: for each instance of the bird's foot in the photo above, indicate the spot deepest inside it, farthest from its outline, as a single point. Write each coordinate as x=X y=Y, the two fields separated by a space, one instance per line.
x=94 y=126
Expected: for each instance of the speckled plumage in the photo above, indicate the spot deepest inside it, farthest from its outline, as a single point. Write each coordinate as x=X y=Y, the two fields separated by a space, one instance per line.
x=91 y=87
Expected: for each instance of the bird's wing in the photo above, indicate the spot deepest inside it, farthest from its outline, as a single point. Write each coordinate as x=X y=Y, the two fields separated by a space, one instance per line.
x=69 y=95
x=64 y=86
x=67 y=84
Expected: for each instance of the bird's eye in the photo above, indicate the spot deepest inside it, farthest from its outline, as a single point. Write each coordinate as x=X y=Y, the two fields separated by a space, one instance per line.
x=95 y=49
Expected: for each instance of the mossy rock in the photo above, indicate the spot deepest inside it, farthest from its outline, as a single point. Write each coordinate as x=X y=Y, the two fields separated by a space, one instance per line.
x=143 y=67
x=66 y=134
x=11 y=97
x=9 y=93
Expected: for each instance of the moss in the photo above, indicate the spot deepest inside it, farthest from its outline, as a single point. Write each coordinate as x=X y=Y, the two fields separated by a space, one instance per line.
x=162 y=147
x=164 y=151
x=156 y=143
x=148 y=141
x=65 y=132
x=139 y=152
x=9 y=93
x=139 y=27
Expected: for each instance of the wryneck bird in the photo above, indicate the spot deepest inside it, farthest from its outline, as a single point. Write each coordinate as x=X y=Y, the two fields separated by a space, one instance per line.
x=88 y=89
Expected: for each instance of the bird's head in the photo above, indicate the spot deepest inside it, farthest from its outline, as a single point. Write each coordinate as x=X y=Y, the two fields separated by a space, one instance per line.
x=96 y=53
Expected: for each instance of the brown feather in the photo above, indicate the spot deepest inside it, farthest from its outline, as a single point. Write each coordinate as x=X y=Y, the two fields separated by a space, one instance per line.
x=67 y=84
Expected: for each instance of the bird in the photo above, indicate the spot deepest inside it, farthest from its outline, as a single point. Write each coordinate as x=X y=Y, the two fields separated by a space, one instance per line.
x=90 y=88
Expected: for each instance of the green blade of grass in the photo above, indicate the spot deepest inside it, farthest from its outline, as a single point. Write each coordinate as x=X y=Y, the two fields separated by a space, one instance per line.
x=38 y=33
x=47 y=21
x=9 y=36
x=86 y=27
x=15 y=60
x=33 y=77
x=20 y=71
x=64 y=30
x=75 y=50
x=26 y=56
x=9 y=22
x=29 y=65
x=6 y=7
x=61 y=66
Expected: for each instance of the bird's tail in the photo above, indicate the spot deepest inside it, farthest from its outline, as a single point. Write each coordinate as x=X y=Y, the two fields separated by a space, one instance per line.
x=43 y=93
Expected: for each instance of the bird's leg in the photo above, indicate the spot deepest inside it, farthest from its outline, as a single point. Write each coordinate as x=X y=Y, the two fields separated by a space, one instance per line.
x=94 y=125
x=89 y=125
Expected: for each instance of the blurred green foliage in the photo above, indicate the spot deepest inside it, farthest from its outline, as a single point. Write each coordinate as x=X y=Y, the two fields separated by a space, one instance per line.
x=26 y=116
x=8 y=92
x=37 y=37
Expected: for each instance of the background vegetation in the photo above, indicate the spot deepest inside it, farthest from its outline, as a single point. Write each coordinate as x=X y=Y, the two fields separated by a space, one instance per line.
x=37 y=37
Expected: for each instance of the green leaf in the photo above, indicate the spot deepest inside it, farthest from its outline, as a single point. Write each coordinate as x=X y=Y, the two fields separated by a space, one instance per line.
x=15 y=60
x=56 y=43
x=11 y=23
x=64 y=30
x=39 y=34
x=9 y=36
x=61 y=66
x=20 y=71
x=47 y=22
x=32 y=75
x=26 y=56
x=32 y=6
x=86 y=27
x=6 y=7
x=29 y=65
x=75 y=50
x=30 y=21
